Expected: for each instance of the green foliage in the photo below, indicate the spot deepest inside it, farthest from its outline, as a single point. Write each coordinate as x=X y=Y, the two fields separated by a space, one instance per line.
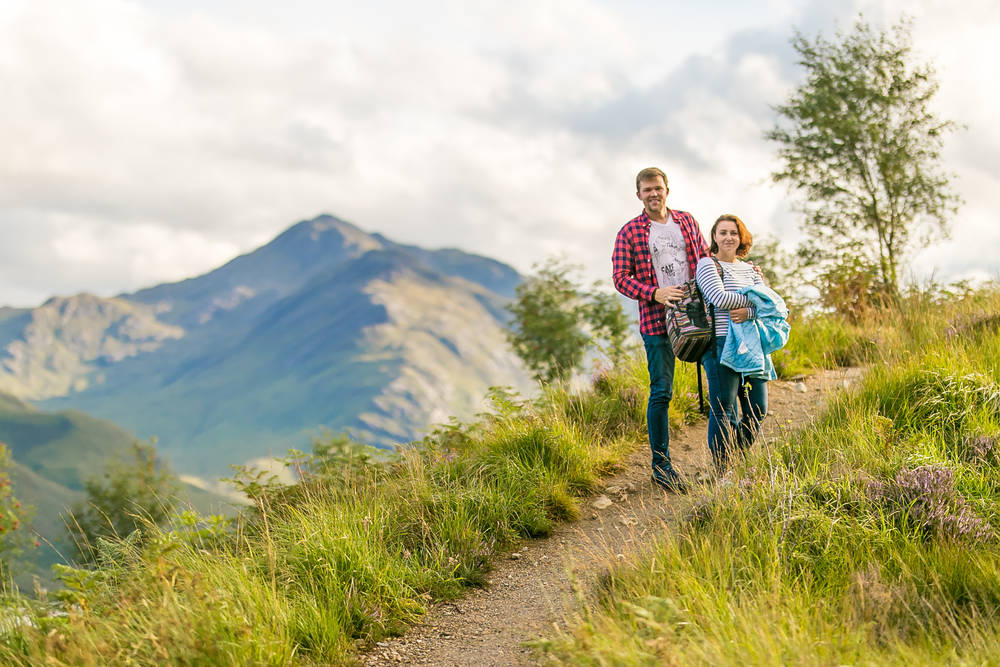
x=132 y=493
x=859 y=139
x=202 y=532
x=923 y=316
x=942 y=402
x=607 y=323
x=852 y=288
x=337 y=456
x=556 y=321
x=51 y=456
x=335 y=462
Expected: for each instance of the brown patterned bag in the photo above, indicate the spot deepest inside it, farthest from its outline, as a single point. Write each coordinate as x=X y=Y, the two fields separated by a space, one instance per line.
x=690 y=325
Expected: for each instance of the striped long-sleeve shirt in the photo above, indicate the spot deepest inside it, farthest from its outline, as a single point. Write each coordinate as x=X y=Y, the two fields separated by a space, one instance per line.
x=721 y=292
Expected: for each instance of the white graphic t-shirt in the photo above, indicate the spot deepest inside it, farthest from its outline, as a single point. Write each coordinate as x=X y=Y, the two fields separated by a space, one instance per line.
x=666 y=245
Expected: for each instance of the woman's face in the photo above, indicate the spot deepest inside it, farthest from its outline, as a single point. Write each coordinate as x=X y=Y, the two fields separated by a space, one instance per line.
x=727 y=236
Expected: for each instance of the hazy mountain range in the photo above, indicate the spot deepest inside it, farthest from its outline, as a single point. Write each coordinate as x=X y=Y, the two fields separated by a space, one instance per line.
x=326 y=326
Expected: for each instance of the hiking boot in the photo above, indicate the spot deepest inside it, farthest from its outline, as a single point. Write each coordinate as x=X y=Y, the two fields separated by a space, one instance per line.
x=671 y=482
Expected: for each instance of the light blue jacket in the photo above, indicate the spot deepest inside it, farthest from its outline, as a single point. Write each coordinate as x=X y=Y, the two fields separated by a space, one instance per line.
x=749 y=344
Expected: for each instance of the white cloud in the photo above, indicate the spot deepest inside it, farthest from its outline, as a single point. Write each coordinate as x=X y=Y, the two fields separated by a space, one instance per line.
x=151 y=141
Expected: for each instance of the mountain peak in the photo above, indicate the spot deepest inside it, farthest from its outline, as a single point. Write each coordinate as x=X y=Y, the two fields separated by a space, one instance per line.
x=326 y=230
x=325 y=324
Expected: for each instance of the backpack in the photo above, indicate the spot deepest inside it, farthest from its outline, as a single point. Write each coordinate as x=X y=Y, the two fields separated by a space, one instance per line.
x=691 y=327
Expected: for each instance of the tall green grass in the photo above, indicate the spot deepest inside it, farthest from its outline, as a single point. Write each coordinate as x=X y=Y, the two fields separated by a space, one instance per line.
x=353 y=553
x=923 y=317
x=869 y=538
x=822 y=342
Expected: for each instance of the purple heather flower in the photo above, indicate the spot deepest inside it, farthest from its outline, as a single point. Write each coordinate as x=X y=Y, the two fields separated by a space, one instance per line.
x=927 y=497
x=980 y=448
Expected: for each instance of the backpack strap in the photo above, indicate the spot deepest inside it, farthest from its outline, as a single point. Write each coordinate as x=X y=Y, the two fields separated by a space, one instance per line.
x=711 y=311
x=711 y=306
x=701 y=396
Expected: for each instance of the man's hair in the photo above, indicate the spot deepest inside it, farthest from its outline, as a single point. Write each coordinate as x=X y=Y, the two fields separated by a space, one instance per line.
x=746 y=238
x=650 y=174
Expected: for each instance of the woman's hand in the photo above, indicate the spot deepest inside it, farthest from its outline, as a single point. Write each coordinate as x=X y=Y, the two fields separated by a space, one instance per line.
x=738 y=315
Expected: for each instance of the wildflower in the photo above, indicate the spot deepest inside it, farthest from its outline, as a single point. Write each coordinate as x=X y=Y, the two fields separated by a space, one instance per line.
x=981 y=448
x=701 y=510
x=601 y=381
x=927 y=498
x=632 y=396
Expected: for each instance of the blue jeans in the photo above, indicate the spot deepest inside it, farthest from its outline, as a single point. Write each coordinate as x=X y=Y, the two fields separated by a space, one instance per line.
x=660 y=361
x=728 y=435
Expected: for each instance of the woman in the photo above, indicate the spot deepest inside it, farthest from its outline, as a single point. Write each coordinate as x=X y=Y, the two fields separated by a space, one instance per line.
x=720 y=279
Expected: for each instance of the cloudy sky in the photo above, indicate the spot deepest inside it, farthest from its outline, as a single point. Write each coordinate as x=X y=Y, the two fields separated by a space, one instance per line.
x=153 y=140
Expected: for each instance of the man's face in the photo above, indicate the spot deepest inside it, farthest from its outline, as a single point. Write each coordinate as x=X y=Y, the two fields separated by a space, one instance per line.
x=653 y=194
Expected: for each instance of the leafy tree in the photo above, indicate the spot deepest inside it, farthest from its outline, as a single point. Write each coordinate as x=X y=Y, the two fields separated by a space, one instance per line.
x=859 y=140
x=556 y=321
x=133 y=492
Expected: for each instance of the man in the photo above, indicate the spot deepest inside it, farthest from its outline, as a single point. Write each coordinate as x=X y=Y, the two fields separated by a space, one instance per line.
x=655 y=253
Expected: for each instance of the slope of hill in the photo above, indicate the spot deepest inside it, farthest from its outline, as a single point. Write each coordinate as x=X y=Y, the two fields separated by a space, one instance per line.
x=325 y=327
x=65 y=448
x=53 y=456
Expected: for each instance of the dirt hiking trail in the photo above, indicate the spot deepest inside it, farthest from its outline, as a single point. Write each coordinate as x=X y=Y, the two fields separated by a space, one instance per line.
x=530 y=592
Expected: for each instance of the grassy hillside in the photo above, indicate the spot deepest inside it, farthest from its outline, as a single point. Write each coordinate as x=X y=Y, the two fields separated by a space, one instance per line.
x=869 y=538
x=354 y=552
x=49 y=503
x=815 y=550
x=64 y=447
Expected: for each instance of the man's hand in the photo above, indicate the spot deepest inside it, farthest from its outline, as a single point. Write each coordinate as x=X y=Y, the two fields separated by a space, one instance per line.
x=758 y=270
x=668 y=295
x=738 y=315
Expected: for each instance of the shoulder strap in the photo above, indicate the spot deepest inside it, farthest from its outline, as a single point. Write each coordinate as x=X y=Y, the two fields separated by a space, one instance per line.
x=718 y=267
x=711 y=306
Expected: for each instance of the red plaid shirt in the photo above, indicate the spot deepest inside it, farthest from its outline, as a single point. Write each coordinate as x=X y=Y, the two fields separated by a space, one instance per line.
x=632 y=266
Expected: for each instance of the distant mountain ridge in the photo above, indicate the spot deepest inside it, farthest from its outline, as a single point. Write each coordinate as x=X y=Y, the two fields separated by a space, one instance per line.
x=326 y=326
